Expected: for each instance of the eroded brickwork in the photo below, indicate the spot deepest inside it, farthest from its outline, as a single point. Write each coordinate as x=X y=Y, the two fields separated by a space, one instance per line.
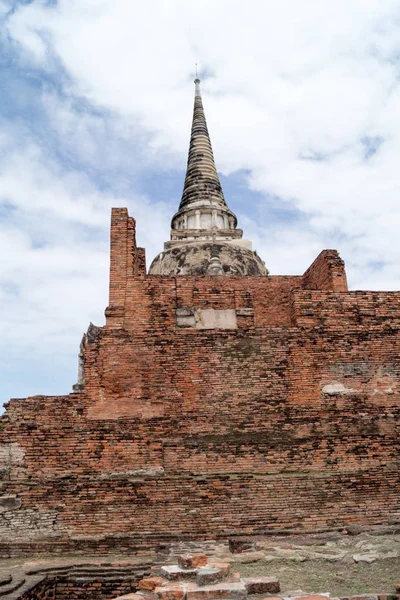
x=287 y=417
x=326 y=273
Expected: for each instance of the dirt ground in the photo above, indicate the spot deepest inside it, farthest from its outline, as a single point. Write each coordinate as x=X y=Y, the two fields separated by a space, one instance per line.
x=339 y=564
x=339 y=579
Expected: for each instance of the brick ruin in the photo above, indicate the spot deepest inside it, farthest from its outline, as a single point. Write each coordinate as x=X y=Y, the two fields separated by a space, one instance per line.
x=210 y=405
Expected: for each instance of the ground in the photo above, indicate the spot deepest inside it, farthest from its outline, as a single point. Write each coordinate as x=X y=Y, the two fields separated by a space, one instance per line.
x=327 y=564
x=340 y=579
x=342 y=565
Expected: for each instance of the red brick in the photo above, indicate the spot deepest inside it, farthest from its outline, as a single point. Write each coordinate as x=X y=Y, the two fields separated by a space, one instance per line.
x=179 y=431
x=225 y=567
x=150 y=583
x=171 y=593
x=191 y=561
x=207 y=575
x=263 y=585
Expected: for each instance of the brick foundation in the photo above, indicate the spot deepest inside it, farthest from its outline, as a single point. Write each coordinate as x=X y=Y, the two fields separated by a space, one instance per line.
x=283 y=415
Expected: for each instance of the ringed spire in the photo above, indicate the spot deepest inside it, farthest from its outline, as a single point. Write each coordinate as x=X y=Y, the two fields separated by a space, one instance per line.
x=202 y=183
x=204 y=234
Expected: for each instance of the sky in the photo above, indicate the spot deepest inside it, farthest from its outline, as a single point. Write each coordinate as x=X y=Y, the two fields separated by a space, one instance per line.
x=302 y=99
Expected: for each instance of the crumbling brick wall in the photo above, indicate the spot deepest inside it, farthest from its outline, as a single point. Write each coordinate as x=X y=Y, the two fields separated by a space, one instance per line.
x=326 y=273
x=212 y=406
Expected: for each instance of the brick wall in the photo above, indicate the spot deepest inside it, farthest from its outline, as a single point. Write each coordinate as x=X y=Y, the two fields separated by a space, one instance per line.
x=91 y=589
x=285 y=416
x=86 y=586
x=326 y=273
x=45 y=590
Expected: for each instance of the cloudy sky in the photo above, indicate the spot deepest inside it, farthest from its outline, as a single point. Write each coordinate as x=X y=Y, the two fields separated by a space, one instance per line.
x=302 y=99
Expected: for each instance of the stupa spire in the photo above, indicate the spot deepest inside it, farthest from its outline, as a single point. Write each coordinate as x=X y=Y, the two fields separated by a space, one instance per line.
x=202 y=182
x=204 y=235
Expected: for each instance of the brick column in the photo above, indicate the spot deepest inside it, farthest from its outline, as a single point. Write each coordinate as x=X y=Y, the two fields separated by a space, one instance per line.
x=122 y=258
x=327 y=272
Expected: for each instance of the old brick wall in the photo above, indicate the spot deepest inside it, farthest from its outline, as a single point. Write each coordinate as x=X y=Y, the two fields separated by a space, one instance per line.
x=45 y=590
x=85 y=582
x=91 y=590
x=327 y=272
x=213 y=406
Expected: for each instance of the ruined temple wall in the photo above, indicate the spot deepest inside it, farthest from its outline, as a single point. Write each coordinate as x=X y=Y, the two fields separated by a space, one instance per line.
x=208 y=378
x=178 y=396
x=363 y=309
x=327 y=272
x=186 y=432
x=212 y=406
x=268 y=297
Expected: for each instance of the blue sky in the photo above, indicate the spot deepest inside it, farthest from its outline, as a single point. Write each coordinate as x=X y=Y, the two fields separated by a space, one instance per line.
x=303 y=106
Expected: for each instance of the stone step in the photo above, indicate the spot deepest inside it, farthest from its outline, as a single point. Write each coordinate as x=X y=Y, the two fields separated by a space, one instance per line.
x=225 y=567
x=322 y=597
x=175 y=573
x=103 y=579
x=14 y=585
x=150 y=583
x=87 y=573
x=5 y=580
x=218 y=591
x=17 y=593
x=87 y=568
x=262 y=585
x=193 y=560
x=172 y=591
x=132 y=596
x=106 y=573
x=209 y=575
x=34 y=569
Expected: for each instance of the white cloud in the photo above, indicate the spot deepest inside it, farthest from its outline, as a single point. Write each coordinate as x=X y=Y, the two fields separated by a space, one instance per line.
x=54 y=254
x=299 y=95
x=289 y=82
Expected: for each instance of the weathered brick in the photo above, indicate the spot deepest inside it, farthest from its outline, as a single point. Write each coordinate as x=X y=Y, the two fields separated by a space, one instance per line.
x=207 y=575
x=178 y=430
x=191 y=561
x=218 y=591
x=174 y=572
x=150 y=583
x=225 y=568
x=170 y=593
x=262 y=585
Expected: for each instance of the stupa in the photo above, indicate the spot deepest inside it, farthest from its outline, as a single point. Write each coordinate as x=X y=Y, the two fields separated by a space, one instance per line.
x=205 y=239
